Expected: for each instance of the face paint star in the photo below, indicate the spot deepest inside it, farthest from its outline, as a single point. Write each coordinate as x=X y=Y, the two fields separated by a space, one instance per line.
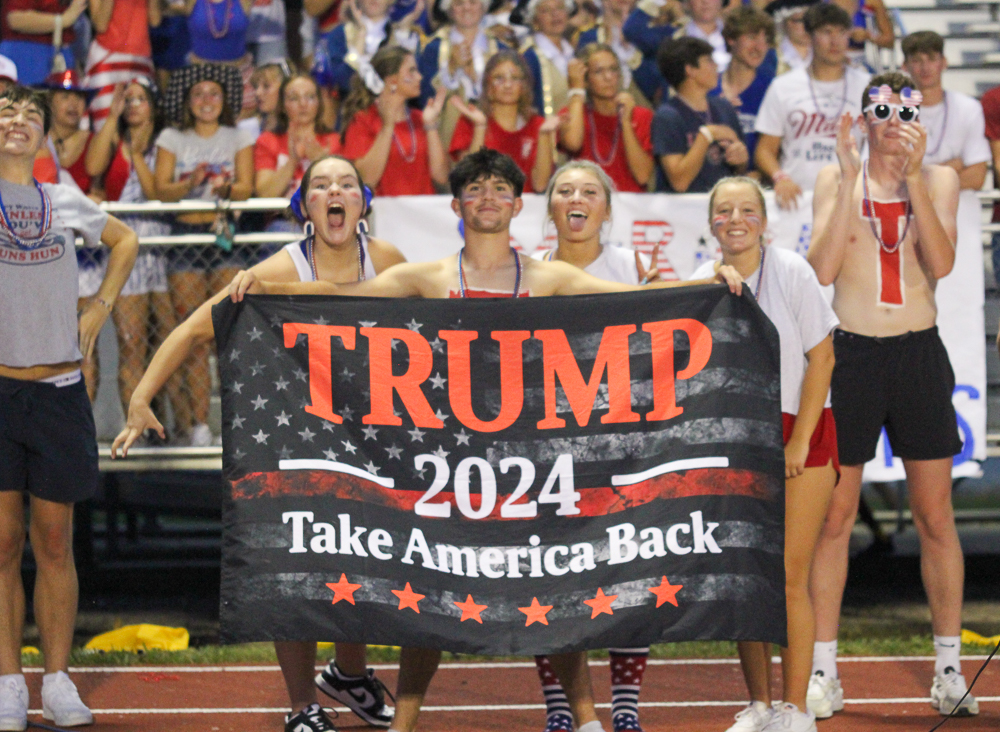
x=259 y=402
x=261 y=438
x=438 y=381
x=370 y=433
x=283 y=419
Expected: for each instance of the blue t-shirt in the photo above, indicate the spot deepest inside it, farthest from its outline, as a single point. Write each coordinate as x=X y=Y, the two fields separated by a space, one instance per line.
x=675 y=127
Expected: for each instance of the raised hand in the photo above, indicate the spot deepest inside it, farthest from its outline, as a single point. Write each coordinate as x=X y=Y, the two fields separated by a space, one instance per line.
x=847 y=148
x=576 y=74
x=117 y=102
x=407 y=21
x=915 y=135
x=432 y=112
x=653 y=273
x=470 y=111
x=625 y=103
x=736 y=153
x=551 y=124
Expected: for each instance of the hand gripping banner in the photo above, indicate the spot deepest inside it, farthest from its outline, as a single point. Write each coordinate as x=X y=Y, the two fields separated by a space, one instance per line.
x=502 y=477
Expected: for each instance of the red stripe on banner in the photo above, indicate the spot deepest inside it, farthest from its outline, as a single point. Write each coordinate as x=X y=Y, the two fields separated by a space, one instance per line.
x=593 y=502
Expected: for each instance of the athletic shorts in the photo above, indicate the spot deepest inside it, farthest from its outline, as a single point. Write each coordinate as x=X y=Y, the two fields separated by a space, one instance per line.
x=48 y=444
x=903 y=383
x=822 y=444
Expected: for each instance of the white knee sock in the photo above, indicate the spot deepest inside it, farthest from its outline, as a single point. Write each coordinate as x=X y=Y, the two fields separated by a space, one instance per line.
x=946 y=650
x=825 y=658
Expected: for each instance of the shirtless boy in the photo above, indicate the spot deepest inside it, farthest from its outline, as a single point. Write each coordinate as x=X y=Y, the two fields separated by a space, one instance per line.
x=487 y=187
x=884 y=234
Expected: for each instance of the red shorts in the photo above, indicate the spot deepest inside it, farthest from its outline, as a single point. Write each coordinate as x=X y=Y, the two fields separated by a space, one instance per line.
x=822 y=444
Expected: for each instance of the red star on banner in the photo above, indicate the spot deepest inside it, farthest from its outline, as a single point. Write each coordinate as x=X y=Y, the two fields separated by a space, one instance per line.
x=343 y=590
x=665 y=592
x=601 y=603
x=408 y=598
x=535 y=613
x=470 y=610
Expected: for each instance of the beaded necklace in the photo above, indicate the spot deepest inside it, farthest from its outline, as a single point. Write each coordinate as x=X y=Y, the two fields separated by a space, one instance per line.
x=871 y=215
x=361 y=259
x=843 y=95
x=760 y=277
x=944 y=127
x=413 y=142
x=227 y=17
x=601 y=160
x=461 y=274
x=26 y=242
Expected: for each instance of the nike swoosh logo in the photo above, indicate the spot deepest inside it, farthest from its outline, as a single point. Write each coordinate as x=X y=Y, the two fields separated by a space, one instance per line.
x=364 y=697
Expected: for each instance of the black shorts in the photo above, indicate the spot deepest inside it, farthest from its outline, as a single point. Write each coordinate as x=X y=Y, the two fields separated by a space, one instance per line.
x=48 y=444
x=903 y=383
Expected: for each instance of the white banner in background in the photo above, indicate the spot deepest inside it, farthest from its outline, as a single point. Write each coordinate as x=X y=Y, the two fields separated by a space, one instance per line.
x=425 y=228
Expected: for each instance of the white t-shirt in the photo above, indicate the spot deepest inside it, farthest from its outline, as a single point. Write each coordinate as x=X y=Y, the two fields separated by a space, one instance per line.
x=790 y=295
x=299 y=252
x=956 y=128
x=190 y=149
x=615 y=264
x=805 y=113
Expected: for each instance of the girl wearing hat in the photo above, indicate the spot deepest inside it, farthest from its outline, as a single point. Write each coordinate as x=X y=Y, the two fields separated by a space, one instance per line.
x=209 y=159
x=333 y=199
x=505 y=120
x=123 y=152
x=397 y=149
x=218 y=32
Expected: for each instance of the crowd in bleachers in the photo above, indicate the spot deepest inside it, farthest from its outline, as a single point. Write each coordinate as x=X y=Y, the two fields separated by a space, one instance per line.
x=197 y=99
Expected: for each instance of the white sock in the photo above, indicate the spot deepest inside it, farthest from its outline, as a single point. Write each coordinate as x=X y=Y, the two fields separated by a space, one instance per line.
x=594 y=726
x=825 y=658
x=947 y=649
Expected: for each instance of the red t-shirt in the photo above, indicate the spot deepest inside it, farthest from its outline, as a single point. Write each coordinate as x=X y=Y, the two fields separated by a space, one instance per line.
x=991 y=111
x=42 y=6
x=128 y=30
x=270 y=152
x=608 y=147
x=116 y=175
x=521 y=145
x=407 y=173
x=46 y=170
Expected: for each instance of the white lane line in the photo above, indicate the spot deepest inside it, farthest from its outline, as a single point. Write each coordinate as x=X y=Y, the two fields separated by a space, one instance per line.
x=497 y=707
x=459 y=666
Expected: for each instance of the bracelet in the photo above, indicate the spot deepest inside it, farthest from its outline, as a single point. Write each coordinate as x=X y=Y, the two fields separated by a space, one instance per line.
x=780 y=175
x=103 y=302
x=577 y=93
x=707 y=133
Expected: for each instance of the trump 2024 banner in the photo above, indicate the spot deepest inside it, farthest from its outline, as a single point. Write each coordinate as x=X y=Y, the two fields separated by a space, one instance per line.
x=501 y=476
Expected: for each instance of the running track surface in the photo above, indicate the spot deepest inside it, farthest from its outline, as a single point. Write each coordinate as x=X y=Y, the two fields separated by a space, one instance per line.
x=679 y=696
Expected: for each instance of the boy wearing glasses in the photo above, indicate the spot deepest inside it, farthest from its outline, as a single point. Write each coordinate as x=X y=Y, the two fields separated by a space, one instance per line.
x=884 y=233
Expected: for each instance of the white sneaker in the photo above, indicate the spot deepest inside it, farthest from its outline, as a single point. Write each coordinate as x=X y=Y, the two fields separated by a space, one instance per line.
x=13 y=703
x=788 y=718
x=201 y=435
x=824 y=696
x=61 y=702
x=947 y=692
x=753 y=718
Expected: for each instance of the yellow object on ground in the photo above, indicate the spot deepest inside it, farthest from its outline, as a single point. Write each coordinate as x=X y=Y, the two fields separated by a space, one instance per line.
x=979 y=640
x=30 y=650
x=144 y=637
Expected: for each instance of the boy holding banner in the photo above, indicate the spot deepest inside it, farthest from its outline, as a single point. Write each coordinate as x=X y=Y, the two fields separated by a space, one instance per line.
x=487 y=188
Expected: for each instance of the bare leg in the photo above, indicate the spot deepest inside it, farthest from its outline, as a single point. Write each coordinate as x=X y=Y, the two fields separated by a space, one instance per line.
x=298 y=660
x=829 y=570
x=166 y=321
x=352 y=658
x=417 y=667
x=755 y=660
x=941 y=563
x=189 y=290
x=56 y=590
x=131 y=316
x=12 y=533
x=806 y=500
x=574 y=675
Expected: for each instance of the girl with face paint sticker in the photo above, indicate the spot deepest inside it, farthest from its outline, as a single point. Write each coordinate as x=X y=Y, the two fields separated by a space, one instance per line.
x=778 y=278
x=336 y=252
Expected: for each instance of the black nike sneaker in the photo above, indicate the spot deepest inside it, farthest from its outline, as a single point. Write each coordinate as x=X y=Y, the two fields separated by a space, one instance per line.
x=363 y=695
x=310 y=719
